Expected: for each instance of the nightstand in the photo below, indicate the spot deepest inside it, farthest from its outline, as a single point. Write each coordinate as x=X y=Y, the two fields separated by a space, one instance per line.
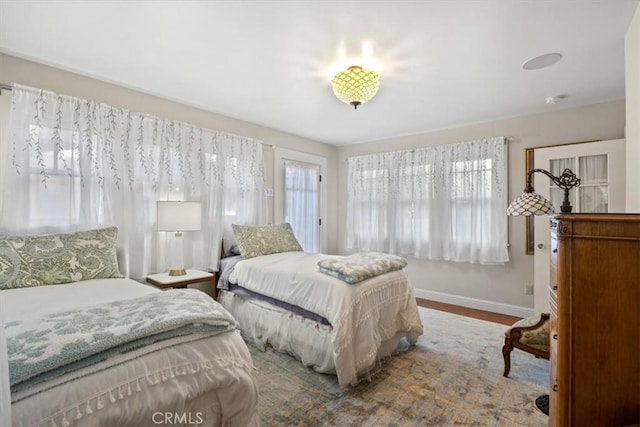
x=164 y=281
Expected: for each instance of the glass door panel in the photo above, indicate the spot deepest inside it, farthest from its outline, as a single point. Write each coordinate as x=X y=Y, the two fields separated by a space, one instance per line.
x=559 y=165
x=593 y=193
x=302 y=203
x=594 y=198
x=557 y=196
x=556 y=167
x=594 y=169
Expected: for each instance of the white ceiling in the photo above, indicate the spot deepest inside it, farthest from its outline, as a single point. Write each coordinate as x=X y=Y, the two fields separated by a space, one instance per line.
x=442 y=63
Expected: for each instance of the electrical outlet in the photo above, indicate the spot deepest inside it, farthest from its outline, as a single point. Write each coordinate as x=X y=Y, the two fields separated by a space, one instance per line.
x=528 y=289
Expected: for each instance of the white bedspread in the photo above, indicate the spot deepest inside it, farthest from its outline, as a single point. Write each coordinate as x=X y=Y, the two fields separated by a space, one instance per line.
x=362 y=315
x=209 y=380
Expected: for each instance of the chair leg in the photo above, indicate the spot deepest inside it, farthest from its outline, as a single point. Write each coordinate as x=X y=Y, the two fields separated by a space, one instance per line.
x=506 y=354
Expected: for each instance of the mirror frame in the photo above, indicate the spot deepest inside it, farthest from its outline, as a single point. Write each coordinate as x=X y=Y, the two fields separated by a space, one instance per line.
x=529 y=164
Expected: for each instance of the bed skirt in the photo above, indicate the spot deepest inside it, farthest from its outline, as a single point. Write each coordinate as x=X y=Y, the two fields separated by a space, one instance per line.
x=310 y=342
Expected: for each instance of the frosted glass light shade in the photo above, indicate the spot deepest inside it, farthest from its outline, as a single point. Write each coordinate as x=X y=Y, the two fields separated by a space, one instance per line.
x=355 y=85
x=179 y=216
x=530 y=204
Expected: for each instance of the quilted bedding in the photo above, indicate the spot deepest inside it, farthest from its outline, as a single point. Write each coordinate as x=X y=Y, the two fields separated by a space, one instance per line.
x=361 y=266
x=206 y=376
x=364 y=317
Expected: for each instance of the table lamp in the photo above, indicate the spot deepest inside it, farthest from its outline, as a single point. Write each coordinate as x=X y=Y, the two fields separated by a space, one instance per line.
x=177 y=217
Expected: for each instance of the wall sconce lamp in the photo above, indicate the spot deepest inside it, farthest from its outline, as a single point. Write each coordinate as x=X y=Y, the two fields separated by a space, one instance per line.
x=177 y=217
x=531 y=203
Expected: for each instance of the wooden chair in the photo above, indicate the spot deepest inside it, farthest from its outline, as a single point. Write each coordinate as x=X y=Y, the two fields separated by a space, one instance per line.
x=531 y=335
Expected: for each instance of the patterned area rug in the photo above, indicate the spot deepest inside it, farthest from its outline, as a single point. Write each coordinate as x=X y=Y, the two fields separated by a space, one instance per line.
x=452 y=377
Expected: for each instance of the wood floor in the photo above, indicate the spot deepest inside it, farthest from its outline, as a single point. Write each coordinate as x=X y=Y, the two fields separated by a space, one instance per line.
x=469 y=312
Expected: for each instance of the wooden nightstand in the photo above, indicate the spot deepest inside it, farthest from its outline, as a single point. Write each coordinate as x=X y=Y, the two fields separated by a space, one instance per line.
x=164 y=281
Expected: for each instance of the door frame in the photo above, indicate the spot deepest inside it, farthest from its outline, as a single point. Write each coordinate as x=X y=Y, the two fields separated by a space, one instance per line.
x=282 y=154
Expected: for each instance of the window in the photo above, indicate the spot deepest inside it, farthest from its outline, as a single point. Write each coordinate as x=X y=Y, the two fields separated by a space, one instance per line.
x=75 y=164
x=445 y=202
x=57 y=204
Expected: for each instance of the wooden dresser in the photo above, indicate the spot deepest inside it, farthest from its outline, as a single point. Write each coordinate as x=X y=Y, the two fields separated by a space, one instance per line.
x=595 y=320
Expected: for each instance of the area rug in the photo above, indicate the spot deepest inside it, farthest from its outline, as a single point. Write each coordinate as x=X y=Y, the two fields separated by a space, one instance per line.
x=452 y=377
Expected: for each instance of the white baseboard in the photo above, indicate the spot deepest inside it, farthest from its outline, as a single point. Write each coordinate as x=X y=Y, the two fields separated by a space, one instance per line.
x=478 y=304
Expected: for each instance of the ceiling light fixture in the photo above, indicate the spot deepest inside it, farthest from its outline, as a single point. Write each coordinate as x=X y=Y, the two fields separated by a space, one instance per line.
x=542 y=61
x=355 y=85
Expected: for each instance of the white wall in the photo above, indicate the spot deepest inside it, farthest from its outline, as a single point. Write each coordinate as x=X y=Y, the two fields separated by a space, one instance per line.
x=632 y=90
x=503 y=285
x=16 y=70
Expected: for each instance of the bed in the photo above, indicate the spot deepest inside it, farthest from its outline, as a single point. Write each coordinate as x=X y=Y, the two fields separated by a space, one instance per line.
x=280 y=297
x=188 y=364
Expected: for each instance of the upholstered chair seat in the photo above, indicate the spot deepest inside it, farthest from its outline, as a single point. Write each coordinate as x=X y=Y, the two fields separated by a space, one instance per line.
x=531 y=335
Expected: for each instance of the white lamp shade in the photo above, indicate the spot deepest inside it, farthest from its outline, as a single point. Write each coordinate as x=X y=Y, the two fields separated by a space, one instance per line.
x=530 y=204
x=179 y=216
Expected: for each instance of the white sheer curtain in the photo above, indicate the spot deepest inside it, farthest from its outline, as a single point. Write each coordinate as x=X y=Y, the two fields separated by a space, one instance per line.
x=446 y=202
x=593 y=193
x=5 y=392
x=301 y=203
x=76 y=164
x=556 y=195
x=243 y=181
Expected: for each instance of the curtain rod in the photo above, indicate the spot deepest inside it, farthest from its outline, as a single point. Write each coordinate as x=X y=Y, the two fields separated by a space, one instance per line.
x=5 y=87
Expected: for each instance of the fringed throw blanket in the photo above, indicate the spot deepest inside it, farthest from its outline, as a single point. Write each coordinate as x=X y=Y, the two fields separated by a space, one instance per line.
x=360 y=266
x=60 y=342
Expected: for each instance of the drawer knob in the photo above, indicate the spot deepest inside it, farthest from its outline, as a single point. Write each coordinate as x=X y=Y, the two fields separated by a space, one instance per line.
x=540 y=245
x=554 y=250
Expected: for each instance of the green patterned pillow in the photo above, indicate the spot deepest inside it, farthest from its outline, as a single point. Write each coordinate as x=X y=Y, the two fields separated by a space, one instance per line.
x=58 y=258
x=265 y=240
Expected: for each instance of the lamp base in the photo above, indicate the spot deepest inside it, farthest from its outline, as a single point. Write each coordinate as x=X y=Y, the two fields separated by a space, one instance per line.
x=180 y=272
